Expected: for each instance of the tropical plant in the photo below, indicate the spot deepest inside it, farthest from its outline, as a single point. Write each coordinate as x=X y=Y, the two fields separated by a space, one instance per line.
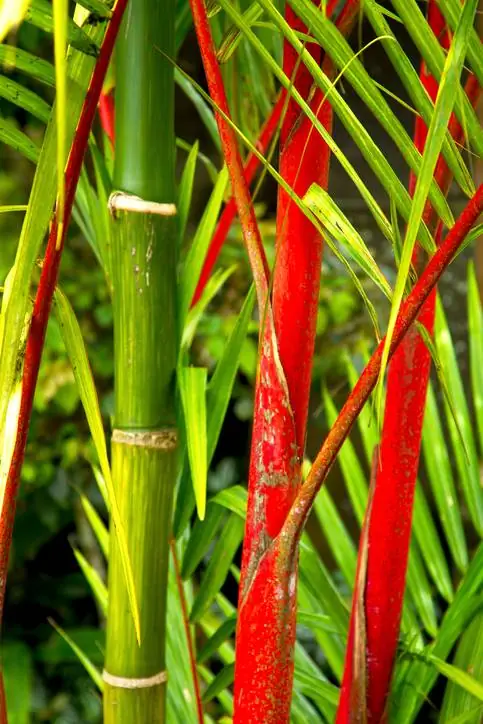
x=291 y=648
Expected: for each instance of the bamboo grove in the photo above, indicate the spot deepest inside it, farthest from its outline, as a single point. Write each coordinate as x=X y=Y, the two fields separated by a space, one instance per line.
x=178 y=645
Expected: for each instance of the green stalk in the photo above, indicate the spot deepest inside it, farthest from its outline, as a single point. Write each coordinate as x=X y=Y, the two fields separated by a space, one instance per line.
x=145 y=338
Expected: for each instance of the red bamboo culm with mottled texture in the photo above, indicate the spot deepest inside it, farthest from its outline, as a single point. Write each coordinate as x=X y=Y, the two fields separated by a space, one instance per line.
x=267 y=596
x=389 y=522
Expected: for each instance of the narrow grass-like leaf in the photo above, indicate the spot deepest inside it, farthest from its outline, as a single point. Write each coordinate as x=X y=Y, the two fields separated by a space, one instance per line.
x=19 y=141
x=218 y=566
x=439 y=121
x=224 y=632
x=24 y=98
x=358 y=132
x=459 y=677
x=186 y=190
x=14 y=207
x=222 y=681
x=96 y=584
x=440 y=476
x=192 y=386
x=202 y=108
x=40 y=14
x=93 y=672
x=97 y=525
x=76 y=351
x=417 y=93
x=343 y=56
x=335 y=221
x=335 y=533
x=37 y=219
x=469 y=658
x=194 y=259
x=60 y=50
x=213 y=286
x=475 y=336
x=316 y=689
x=98 y=8
x=465 y=454
x=17 y=670
x=451 y=11
x=430 y=545
x=431 y=51
x=201 y=538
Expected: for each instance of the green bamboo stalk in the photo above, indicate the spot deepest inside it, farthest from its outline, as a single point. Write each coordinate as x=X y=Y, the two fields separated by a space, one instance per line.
x=145 y=339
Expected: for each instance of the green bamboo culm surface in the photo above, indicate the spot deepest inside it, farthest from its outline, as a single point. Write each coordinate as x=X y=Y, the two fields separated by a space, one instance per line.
x=145 y=339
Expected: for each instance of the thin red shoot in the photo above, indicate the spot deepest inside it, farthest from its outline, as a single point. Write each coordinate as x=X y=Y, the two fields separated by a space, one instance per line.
x=106 y=114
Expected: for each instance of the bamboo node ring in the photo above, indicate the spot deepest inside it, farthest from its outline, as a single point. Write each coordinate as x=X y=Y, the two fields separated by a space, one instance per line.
x=166 y=439
x=119 y=682
x=119 y=201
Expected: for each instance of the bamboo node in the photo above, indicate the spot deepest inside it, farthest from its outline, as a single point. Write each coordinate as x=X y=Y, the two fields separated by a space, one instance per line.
x=166 y=439
x=119 y=201
x=119 y=682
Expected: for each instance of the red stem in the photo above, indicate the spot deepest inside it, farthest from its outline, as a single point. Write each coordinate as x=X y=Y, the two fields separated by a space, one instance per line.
x=229 y=212
x=189 y=637
x=389 y=524
x=344 y=23
x=409 y=311
x=46 y=288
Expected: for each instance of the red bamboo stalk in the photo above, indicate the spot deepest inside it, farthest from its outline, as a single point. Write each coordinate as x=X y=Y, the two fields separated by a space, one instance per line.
x=267 y=598
x=389 y=525
x=344 y=23
x=408 y=313
x=46 y=288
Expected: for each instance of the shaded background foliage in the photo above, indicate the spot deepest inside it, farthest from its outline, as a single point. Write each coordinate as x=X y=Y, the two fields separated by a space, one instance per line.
x=45 y=580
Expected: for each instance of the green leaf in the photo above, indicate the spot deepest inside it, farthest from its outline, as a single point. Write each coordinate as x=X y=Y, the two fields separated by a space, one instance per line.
x=218 y=566
x=194 y=259
x=203 y=109
x=98 y=8
x=222 y=681
x=97 y=585
x=417 y=93
x=11 y=136
x=459 y=677
x=213 y=286
x=93 y=672
x=466 y=456
x=186 y=190
x=332 y=218
x=16 y=59
x=439 y=121
x=224 y=632
x=76 y=351
x=441 y=480
x=469 y=657
x=36 y=221
x=97 y=524
x=354 y=71
x=201 y=537
x=40 y=14
x=17 y=669
x=451 y=11
x=192 y=386
x=60 y=50
x=431 y=51
x=24 y=98
x=475 y=336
